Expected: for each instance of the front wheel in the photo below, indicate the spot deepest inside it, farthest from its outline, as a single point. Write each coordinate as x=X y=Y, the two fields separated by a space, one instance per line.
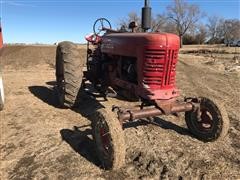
x=213 y=122
x=109 y=139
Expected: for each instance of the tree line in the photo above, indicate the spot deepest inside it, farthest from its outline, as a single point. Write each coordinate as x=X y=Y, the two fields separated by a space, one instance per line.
x=184 y=19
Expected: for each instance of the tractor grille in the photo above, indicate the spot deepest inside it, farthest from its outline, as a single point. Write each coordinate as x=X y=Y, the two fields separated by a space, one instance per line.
x=159 y=67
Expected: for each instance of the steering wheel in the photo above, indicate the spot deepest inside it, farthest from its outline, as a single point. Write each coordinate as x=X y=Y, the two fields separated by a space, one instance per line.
x=101 y=25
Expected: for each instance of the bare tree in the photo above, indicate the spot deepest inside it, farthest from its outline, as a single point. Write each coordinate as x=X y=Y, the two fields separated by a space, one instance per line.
x=184 y=16
x=159 y=23
x=220 y=29
x=170 y=27
x=213 y=28
x=132 y=16
x=230 y=30
x=201 y=34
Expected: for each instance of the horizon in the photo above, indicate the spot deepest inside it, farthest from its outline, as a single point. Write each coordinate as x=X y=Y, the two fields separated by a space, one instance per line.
x=48 y=22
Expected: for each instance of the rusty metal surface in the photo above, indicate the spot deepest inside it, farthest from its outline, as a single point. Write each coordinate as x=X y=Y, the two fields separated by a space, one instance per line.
x=137 y=114
x=166 y=105
x=182 y=107
x=153 y=111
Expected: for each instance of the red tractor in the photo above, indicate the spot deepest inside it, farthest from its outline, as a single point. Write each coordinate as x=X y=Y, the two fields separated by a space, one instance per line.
x=133 y=65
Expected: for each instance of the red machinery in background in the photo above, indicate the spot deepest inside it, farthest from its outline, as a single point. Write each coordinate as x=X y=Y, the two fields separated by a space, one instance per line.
x=135 y=66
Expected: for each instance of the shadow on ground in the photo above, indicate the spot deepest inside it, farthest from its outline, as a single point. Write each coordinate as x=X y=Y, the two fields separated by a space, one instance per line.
x=79 y=137
x=158 y=122
x=80 y=142
x=47 y=95
x=87 y=104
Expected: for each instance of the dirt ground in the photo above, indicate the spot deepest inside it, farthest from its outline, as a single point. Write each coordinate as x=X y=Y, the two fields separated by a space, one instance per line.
x=41 y=141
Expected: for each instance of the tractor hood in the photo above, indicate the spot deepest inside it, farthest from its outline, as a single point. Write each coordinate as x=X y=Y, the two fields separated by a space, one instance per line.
x=129 y=44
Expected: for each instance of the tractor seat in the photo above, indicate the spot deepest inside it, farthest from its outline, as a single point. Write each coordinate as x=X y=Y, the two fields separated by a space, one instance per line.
x=92 y=38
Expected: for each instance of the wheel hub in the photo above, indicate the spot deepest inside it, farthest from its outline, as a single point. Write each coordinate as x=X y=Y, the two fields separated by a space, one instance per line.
x=205 y=122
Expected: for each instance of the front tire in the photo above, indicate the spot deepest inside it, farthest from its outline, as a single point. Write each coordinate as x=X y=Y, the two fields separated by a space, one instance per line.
x=213 y=123
x=69 y=73
x=109 y=139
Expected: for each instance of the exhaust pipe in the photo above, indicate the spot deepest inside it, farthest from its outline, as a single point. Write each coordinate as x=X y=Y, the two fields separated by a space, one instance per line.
x=146 y=16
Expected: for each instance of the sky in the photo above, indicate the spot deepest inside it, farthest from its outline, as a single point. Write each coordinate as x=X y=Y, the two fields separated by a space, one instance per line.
x=50 y=21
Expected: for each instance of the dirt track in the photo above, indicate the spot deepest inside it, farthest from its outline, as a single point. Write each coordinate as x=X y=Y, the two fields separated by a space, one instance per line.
x=41 y=141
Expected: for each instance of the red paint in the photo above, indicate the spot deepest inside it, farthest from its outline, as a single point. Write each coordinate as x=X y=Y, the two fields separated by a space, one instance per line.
x=156 y=54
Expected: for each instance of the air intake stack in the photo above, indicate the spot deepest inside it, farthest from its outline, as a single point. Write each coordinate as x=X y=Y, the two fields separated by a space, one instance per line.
x=146 y=16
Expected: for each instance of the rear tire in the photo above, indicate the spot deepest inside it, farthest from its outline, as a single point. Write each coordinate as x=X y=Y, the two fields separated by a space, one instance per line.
x=2 y=98
x=109 y=139
x=214 y=121
x=69 y=73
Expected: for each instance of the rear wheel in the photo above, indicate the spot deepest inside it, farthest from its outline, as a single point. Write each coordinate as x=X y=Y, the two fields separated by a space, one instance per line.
x=213 y=123
x=109 y=139
x=1 y=92
x=68 y=73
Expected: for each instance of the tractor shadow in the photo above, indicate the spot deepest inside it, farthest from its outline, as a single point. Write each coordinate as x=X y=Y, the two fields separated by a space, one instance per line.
x=48 y=94
x=80 y=141
x=78 y=138
x=158 y=122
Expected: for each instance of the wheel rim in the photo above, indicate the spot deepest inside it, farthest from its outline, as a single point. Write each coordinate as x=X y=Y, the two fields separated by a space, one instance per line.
x=211 y=123
x=104 y=140
x=206 y=120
